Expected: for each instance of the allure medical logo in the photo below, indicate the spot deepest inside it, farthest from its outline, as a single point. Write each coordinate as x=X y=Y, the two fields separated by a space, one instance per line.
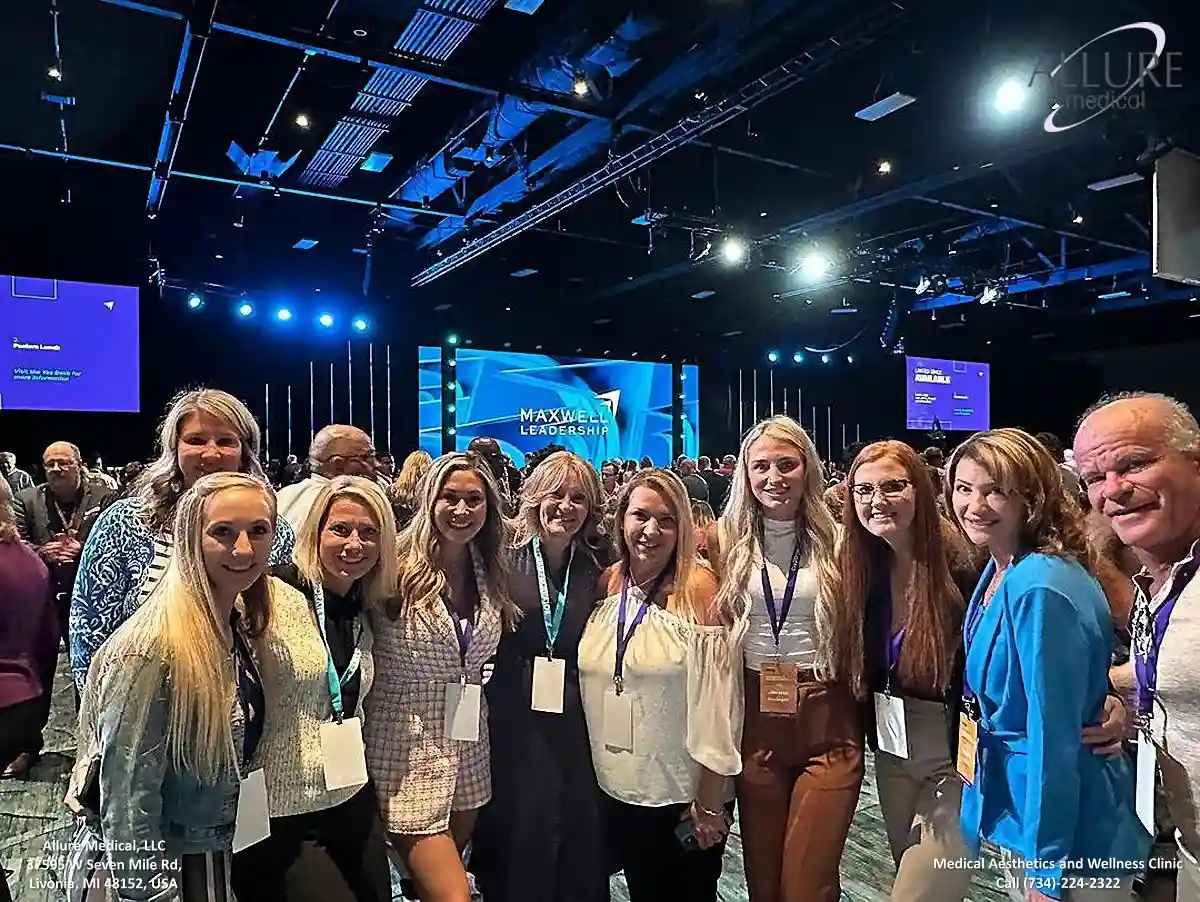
x=1113 y=70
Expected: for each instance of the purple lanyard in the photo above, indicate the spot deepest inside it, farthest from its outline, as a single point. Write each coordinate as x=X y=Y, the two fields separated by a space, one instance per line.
x=893 y=655
x=623 y=638
x=1145 y=658
x=779 y=617
x=463 y=629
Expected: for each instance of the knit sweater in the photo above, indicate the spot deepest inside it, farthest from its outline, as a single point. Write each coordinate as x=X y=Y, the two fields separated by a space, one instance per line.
x=295 y=682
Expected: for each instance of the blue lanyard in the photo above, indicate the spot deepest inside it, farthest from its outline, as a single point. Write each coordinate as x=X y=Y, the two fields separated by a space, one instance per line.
x=623 y=637
x=779 y=616
x=335 y=682
x=551 y=618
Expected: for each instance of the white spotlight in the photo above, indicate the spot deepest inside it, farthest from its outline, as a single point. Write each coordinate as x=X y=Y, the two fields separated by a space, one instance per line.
x=733 y=250
x=1010 y=96
x=580 y=86
x=814 y=265
x=302 y=121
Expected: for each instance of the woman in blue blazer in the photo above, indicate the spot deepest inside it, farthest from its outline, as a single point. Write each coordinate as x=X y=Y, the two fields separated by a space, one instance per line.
x=1038 y=641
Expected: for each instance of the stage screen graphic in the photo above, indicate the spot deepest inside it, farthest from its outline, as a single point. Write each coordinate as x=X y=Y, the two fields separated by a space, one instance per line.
x=429 y=399
x=691 y=410
x=597 y=408
x=71 y=346
x=954 y=392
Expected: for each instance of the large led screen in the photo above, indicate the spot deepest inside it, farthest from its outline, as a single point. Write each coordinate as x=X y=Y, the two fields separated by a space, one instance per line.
x=429 y=399
x=597 y=408
x=955 y=393
x=70 y=346
x=691 y=410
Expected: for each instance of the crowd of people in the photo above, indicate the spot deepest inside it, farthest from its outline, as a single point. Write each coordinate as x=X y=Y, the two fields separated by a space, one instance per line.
x=514 y=684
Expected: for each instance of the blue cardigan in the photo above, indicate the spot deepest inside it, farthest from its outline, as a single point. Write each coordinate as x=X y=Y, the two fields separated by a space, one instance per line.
x=1037 y=661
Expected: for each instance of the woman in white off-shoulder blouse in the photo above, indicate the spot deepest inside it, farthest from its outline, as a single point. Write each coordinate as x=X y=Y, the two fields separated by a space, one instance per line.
x=659 y=675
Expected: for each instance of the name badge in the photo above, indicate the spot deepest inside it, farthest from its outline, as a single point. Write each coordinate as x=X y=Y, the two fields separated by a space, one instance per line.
x=343 y=753
x=617 y=721
x=463 y=711
x=968 y=745
x=891 y=730
x=777 y=688
x=253 y=821
x=549 y=680
x=1145 y=773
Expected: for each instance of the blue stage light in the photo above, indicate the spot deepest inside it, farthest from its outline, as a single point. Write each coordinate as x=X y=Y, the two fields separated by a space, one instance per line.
x=452 y=339
x=283 y=314
x=824 y=358
x=325 y=320
x=245 y=310
x=195 y=302
x=772 y=356
x=360 y=324
x=798 y=357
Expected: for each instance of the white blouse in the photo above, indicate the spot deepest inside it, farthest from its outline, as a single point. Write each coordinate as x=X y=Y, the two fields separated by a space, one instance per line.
x=798 y=636
x=686 y=696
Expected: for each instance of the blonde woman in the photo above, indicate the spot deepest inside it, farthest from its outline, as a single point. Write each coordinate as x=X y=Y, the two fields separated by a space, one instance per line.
x=326 y=839
x=426 y=720
x=404 y=490
x=658 y=677
x=540 y=838
x=125 y=555
x=802 y=747
x=173 y=709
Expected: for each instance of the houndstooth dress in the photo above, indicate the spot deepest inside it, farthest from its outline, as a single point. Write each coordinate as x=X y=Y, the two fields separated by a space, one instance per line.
x=419 y=774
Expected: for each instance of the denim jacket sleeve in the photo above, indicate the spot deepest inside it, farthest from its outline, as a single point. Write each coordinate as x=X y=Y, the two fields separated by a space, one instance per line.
x=132 y=738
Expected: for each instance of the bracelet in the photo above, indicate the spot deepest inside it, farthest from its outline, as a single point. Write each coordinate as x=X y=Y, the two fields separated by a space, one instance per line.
x=708 y=812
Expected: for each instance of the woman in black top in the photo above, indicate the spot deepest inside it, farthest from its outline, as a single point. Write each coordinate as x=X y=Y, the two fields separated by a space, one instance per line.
x=540 y=837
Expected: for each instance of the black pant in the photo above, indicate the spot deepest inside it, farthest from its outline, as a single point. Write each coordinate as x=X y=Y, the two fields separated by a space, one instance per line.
x=656 y=865
x=335 y=855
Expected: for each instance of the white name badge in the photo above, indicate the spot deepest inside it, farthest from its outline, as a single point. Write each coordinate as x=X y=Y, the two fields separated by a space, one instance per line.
x=1143 y=787
x=549 y=680
x=343 y=754
x=253 y=823
x=891 y=731
x=463 y=711
x=617 y=726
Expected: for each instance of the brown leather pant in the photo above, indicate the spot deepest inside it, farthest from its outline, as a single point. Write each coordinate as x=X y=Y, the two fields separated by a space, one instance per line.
x=797 y=792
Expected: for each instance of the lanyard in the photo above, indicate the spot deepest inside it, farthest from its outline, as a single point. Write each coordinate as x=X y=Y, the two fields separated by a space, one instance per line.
x=779 y=616
x=248 y=692
x=464 y=629
x=893 y=656
x=1145 y=656
x=552 y=619
x=623 y=637
x=335 y=682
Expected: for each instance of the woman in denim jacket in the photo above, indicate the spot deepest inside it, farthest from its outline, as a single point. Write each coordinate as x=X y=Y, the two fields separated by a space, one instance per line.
x=173 y=709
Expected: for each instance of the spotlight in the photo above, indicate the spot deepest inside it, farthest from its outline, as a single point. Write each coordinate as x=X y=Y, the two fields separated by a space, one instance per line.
x=302 y=121
x=849 y=359
x=797 y=357
x=245 y=310
x=451 y=339
x=195 y=302
x=283 y=314
x=1078 y=220
x=885 y=167
x=55 y=72
x=1010 y=96
x=772 y=356
x=814 y=266
x=325 y=320
x=733 y=250
x=580 y=86
x=450 y=408
x=824 y=358
x=360 y=325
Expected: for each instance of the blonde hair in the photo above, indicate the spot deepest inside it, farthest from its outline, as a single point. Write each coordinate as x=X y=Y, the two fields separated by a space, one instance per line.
x=679 y=570
x=177 y=626
x=547 y=478
x=740 y=532
x=160 y=485
x=405 y=488
x=379 y=584
x=420 y=580
x=1020 y=465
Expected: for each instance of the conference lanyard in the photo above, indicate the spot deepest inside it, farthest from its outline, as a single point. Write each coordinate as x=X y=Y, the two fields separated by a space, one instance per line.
x=464 y=629
x=623 y=637
x=335 y=682
x=552 y=618
x=893 y=657
x=1145 y=655
x=779 y=616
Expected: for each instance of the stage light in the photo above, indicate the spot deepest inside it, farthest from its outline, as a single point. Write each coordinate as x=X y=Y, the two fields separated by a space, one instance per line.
x=824 y=358
x=302 y=121
x=360 y=325
x=849 y=359
x=450 y=408
x=451 y=385
x=772 y=356
x=1078 y=220
x=733 y=250
x=1010 y=96
x=55 y=72
x=245 y=310
x=580 y=86
x=450 y=431
x=325 y=320
x=814 y=266
x=195 y=302
x=283 y=314
x=885 y=167
x=797 y=357
x=451 y=339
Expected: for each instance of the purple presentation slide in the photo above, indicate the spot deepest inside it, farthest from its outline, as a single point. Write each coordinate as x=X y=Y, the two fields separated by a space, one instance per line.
x=953 y=392
x=70 y=346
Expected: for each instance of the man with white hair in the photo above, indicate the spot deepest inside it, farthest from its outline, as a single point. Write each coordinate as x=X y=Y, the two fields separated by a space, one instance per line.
x=1139 y=459
x=337 y=450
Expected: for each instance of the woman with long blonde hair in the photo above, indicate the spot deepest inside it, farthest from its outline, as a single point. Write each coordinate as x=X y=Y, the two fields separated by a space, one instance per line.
x=658 y=679
x=205 y=431
x=318 y=667
x=540 y=839
x=426 y=725
x=404 y=491
x=775 y=550
x=173 y=708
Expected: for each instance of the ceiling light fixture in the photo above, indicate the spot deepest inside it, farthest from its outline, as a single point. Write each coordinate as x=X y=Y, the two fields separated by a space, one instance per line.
x=733 y=250
x=885 y=167
x=1010 y=96
x=55 y=72
x=580 y=85
x=360 y=32
x=302 y=121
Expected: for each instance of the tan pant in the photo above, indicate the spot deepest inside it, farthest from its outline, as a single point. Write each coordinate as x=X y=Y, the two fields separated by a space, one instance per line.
x=919 y=797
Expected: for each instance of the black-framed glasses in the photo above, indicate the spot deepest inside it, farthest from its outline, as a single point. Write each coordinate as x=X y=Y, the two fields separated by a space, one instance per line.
x=889 y=489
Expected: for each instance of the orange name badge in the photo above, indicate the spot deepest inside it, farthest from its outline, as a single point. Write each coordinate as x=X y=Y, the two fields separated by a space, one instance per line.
x=777 y=689
x=968 y=744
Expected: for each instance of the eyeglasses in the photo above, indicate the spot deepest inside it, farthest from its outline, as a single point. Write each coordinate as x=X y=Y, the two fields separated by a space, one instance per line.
x=889 y=489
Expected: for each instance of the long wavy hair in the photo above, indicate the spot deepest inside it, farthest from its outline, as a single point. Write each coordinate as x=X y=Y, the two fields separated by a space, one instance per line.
x=677 y=577
x=547 y=478
x=412 y=471
x=379 y=584
x=421 y=582
x=1020 y=465
x=935 y=603
x=177 y=626
x=740 y=532
x=160 y=485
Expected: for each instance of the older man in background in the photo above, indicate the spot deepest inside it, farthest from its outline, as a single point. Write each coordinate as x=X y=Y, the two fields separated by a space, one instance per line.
x=1139 y=459
x=337 y=450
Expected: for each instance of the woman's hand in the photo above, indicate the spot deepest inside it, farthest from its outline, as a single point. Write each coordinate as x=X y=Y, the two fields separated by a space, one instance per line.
x=710 y=829
x=1106 y=737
